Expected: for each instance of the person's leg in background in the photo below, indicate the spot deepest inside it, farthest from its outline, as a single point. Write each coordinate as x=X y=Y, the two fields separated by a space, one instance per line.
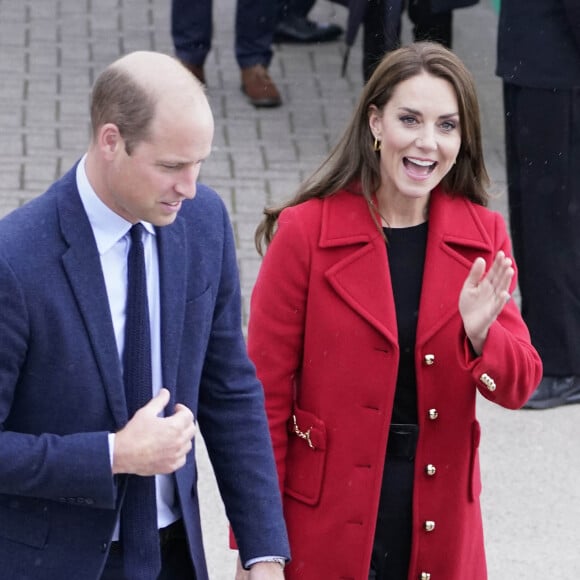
x=381 y=34
x=429 y=25
x=255 y=25
x=544 y=208
x=191 y=32
x=294 y=26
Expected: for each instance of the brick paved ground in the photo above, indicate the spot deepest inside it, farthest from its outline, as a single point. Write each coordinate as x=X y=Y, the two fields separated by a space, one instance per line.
x=50 y=52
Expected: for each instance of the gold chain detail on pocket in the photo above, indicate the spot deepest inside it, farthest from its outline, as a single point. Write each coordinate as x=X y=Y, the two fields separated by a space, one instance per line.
x=302 y=434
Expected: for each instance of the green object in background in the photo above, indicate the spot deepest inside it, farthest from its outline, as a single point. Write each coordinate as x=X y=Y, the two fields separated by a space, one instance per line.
x=495 y=4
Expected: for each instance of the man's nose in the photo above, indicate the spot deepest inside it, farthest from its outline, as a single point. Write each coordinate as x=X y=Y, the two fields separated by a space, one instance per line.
x=187 y=184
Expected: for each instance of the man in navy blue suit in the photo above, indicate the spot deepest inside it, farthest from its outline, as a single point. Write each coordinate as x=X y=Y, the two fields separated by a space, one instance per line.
x=68 y=444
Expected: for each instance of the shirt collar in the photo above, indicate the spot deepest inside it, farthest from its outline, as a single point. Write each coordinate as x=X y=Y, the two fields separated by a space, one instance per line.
x=108 y=227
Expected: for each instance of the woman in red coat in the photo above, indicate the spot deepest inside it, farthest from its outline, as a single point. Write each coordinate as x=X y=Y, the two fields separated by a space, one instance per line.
x=381 y=309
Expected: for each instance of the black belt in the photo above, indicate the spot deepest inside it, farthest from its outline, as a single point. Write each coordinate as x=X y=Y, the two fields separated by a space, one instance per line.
x=402 y=441
x=168 y=534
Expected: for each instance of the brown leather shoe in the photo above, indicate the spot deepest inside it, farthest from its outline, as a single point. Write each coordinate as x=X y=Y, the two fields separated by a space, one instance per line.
x=259 y=87
x=196 y=70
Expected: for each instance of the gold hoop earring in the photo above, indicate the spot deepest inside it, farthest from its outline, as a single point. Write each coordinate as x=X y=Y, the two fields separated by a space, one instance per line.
x=377 y=144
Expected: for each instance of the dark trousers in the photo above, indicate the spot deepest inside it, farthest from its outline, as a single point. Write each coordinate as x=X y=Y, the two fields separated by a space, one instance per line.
x=382 y=33
x=175 y=560
x=393 y=535
x=542 y=133
x=299 y=8
x=191 y=30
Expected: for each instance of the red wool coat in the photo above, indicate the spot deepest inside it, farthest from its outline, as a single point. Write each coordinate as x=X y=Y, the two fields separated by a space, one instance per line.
x=323 y=323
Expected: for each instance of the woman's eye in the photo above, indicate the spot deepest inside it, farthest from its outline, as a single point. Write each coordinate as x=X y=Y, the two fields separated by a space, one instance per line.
x=408 y=120
x=448 y=125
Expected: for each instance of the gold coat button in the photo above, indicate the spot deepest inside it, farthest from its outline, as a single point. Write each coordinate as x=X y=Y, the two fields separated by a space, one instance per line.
x=433 y=414
x=488 y=382
x=429 y=525
x=425 y=576
x=429 y=359
x=430 y=469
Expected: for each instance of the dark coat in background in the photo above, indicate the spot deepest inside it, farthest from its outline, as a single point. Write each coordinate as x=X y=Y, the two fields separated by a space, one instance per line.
x=538 y=58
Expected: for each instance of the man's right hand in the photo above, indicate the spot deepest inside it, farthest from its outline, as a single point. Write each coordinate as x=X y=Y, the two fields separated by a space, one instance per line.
x=151 y=444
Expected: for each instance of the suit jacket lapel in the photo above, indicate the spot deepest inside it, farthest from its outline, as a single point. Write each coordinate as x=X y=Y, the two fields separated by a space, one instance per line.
x=174 y=263
x=83 y=268
x=361 y=278
x=456 y=237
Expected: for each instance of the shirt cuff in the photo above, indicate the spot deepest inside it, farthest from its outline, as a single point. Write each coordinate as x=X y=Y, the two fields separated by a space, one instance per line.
x=111 y=447
x=277 y=559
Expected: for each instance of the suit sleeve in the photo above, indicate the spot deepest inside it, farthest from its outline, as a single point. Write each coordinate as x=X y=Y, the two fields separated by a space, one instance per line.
x=509 y=368
x=72 y=468
x=277 y=326
x=233 y=422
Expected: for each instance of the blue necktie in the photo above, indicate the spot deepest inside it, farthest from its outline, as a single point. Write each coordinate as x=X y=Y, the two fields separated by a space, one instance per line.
x=139 y=534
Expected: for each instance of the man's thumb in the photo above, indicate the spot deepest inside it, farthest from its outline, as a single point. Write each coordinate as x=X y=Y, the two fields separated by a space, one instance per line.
x=159 y=401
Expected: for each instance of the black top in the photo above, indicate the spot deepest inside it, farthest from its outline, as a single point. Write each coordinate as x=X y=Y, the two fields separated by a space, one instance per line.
x=406 y=250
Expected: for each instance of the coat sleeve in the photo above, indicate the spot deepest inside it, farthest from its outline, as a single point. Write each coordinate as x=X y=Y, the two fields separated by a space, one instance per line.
x=71 y=468
x=509 y=368
x=277 y=325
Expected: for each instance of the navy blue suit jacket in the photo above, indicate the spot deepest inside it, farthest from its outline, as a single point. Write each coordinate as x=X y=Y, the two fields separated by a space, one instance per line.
x=61 y=389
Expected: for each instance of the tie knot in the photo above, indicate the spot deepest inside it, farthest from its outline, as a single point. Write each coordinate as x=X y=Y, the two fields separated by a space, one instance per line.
x=137 y=232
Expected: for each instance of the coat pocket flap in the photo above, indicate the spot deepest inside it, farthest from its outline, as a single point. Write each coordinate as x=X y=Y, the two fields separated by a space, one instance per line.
x=306 y=457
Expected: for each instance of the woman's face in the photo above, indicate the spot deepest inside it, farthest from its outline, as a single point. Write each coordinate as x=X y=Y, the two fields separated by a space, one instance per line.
x=420 y=137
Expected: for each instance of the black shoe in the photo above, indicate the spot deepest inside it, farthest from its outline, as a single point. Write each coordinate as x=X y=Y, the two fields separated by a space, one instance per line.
x=555 y=392
x=297 y=29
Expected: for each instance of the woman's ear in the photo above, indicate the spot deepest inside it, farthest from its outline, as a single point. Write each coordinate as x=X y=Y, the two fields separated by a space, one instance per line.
x=374 y=117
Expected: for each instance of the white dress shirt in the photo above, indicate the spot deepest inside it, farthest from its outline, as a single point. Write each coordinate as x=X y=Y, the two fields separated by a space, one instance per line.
x=112 y=236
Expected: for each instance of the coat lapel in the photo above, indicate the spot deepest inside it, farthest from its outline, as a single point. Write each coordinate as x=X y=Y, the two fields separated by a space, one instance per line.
x=83 y=268
x=174 y=263
x=361 y=275
x=456 y=237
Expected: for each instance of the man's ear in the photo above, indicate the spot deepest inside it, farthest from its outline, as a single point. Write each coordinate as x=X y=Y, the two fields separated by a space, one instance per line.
x=109 y=140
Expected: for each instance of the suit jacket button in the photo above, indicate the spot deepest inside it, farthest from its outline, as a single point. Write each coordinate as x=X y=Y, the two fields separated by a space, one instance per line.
x=430 y=469
x=433 y=414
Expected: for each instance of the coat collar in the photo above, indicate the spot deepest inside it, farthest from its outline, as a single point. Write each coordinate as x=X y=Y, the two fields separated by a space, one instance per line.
x=362 y=277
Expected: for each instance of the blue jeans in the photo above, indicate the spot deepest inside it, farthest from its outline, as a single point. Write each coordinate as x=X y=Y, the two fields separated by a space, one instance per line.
x=192 y=27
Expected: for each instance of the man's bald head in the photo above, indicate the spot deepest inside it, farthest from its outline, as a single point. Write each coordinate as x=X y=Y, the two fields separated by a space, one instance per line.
x=129 y=92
